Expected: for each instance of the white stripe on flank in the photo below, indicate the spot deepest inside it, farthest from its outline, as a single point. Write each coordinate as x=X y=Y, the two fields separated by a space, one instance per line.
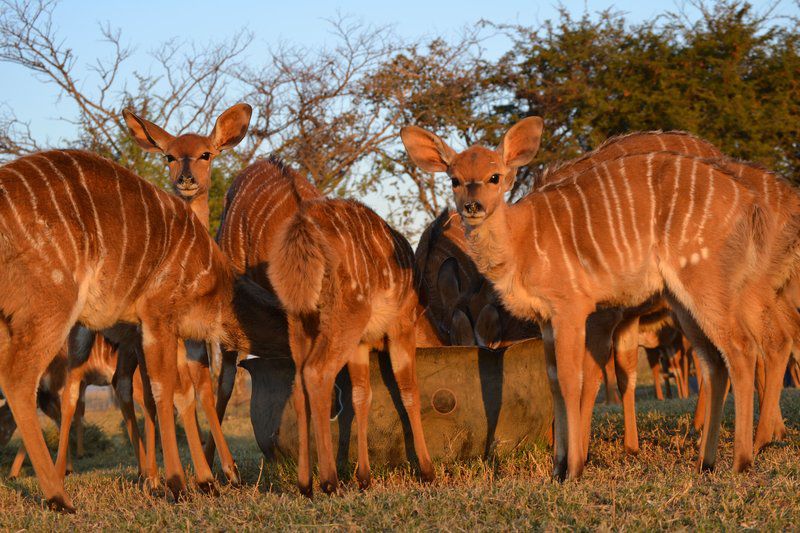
x=661 y=141
x=124 y=247
x=652 y=197
x=100 y=240
x=61 y=217
x=698 y=236
x=363 y=222
x=76 y=211
x=379 y=253
x=189 y=249
x=389 y=267
x=690 y=209
x=581 y=259
x=618 y=211
x=268 y=217
x=609 y=217
x=734 y=204
x=39 y=222
x=145 y=249
x=35 y=245
x=677 y=177
x=634 y=222
x=600 y=255
x=567 y=262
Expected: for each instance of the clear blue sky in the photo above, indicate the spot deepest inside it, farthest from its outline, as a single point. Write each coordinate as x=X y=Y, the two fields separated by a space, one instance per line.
x=146 y=23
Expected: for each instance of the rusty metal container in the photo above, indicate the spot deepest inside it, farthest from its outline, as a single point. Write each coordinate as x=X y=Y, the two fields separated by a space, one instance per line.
x=474 y=402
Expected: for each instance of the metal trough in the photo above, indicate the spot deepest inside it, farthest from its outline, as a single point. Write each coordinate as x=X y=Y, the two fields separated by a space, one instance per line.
x=474 y=402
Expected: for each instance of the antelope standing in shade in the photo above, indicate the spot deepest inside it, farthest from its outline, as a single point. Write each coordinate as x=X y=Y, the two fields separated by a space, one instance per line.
x=99 y=245
x=347 y=281
x=721 y=258
x=460 y=300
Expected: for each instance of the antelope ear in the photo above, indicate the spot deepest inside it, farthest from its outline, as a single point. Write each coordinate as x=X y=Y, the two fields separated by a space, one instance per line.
x=448 y=283
x=231 y=127
x=147 y=135
x=521 y=142
x=428 y=151
x=461 y=333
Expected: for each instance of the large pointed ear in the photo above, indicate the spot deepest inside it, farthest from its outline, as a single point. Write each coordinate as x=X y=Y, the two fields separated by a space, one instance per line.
x=146 y=134
x=521 y=142
x=231 y=127
x=428 y=151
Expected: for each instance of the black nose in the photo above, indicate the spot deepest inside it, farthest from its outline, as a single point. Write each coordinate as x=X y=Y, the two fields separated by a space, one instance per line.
x=185 y=180
x=473 y=208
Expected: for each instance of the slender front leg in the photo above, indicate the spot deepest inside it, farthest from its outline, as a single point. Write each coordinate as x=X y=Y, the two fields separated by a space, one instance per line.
x=201 y=378
x=227 y=380
x=69 y=402
x=185 y=403
x=358 y=367
x=160 y=354
x=560 y=436
x=122 y=383
x=300 y=344
x=627 y=358
x=569 y=329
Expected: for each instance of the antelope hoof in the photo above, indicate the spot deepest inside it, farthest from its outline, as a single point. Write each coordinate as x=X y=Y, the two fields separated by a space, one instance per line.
x=209 y=488
x=329 y=486
x=232 y=473
x=364 y=481
x=427 y=474
x=60 y=504
x=630 y=450
x=178 y=488
x=742 y=465
x=560 y=470
x=306 y=490
x=706 y=467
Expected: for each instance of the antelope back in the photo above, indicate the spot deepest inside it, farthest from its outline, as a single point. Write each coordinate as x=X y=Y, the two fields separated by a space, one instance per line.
x=361 y=261
x=633 y=143
x=101 y=240
x=461 y=301
x=262 y=197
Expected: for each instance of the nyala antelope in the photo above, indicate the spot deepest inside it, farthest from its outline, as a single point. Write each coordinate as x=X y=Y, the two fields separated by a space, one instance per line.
x=348 y=283
x=100 y=245
x=613 y=331
x=460 y=301
x=189 y=157
x=617 y=234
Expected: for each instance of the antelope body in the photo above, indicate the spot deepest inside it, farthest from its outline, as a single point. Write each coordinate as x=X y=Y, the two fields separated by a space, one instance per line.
x=616 y=235
x=347 y=281
x=99 y=246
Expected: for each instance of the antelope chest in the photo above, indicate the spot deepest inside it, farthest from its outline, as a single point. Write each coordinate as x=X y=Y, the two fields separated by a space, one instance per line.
x=519 y=300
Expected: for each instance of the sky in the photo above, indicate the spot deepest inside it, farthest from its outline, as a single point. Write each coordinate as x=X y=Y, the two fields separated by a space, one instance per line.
x=146 y=23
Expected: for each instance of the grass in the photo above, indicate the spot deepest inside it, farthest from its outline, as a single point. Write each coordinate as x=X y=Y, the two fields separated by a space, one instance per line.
x=658 y=489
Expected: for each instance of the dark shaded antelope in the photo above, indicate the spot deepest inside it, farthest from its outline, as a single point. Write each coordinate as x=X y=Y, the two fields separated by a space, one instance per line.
x=99 y=246
x=348 y=283
x=461 y=301
x=617 y=234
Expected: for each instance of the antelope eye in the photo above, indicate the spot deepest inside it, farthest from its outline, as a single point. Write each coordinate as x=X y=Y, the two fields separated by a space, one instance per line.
x=455 y=182
x=170 y=158
x=495 y=178
x=206 y=156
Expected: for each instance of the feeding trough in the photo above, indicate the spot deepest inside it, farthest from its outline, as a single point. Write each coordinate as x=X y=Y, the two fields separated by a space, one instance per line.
x=474 y=402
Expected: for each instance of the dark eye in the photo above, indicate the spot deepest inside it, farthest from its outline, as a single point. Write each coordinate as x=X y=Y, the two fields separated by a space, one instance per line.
x=455 y=182
x=170 y=158
x=206 y=156
x=495 y=178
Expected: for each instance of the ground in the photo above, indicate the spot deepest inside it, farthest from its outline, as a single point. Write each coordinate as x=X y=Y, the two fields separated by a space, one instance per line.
x=658 y=489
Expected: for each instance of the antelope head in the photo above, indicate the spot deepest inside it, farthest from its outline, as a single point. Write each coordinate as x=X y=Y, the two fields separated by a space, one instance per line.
x=480 y=176
x=189 y=155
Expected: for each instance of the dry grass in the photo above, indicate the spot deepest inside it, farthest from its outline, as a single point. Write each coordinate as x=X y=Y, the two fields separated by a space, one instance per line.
x=656 y=490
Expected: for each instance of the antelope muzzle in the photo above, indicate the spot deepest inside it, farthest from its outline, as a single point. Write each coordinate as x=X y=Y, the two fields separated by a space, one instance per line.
x=186 y=185
x=473 y=212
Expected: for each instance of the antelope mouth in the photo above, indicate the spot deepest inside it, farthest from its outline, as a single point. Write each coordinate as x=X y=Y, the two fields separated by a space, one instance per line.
x=474 y=219
x=187 y=191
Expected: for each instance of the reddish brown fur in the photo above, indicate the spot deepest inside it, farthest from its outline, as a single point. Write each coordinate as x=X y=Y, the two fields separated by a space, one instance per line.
x=543 y=256
x=366 y=295
x=100 y=246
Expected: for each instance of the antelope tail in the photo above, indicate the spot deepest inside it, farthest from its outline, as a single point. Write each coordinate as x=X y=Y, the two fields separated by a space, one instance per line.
x=297 y=264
